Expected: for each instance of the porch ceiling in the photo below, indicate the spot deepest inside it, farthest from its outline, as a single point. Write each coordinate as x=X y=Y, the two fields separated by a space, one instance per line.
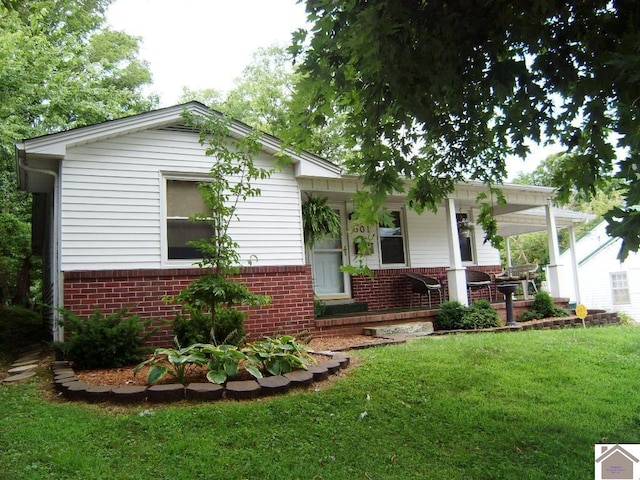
x=535 y=220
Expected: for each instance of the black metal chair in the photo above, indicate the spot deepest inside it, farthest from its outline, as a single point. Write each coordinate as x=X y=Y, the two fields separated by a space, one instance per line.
x=421 y=285
x=477 y=280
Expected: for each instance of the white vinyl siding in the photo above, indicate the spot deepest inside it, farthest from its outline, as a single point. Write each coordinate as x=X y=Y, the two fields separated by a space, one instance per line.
x=598 y=263
x=112 y=212
x=428 y=242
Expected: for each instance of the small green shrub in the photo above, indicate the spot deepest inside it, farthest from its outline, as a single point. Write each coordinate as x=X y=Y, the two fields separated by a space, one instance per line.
x=530 y=315
x=449 y=317
x=191 y=327
x=480 y=315
x=543 y=307
x=104 y=341
x=543 y=304
x=626 y=319
x=455 y=316
x=230 y=327
x=195 y=327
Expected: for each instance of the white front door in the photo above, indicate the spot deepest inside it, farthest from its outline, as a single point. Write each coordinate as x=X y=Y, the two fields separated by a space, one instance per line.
x=328 y=255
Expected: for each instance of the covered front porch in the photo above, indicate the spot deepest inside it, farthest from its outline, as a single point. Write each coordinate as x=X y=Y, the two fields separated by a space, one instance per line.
x=445 y=245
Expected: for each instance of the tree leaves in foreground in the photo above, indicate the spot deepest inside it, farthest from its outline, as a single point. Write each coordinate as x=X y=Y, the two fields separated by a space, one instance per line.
x=533 y=247
x=440 y=92
x=60 y=68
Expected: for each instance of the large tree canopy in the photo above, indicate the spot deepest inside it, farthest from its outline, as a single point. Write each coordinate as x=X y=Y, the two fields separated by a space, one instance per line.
x=443 y=91
x=533 y=247
x=260 y=97
x=60 y=68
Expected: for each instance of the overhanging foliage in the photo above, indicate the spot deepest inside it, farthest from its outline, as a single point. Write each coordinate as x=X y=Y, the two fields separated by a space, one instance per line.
x=440 y=92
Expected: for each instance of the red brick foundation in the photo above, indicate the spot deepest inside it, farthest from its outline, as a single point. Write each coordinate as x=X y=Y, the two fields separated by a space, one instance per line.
x=290 y=289
x=142 y=291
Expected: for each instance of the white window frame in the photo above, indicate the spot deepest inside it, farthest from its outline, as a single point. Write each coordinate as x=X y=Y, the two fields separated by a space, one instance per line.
x=164 y=241
x=620 y=288
x=403 y=235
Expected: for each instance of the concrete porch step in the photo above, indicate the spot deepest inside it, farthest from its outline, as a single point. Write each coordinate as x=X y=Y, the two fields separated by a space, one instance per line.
x=343 y=307
x=413 y=329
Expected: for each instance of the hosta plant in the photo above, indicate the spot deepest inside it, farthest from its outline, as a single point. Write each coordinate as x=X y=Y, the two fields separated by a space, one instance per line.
x=278 y=355
x=224 y=362
x=173 y=361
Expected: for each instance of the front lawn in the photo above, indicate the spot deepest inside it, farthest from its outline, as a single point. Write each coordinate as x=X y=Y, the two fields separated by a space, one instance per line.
x=526 y=405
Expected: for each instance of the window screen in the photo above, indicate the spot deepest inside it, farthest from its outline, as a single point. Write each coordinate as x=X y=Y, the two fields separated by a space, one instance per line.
x=183 y=201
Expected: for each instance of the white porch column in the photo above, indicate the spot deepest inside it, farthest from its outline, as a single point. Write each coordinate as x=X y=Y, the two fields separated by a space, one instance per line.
x=574 y=263
x=554 y=252
x=456 y=277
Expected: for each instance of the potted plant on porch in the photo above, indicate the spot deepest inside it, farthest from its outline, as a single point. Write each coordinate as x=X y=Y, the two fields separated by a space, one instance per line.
x=319 y=220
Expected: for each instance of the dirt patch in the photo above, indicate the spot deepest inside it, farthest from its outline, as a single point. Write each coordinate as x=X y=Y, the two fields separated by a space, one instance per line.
x=345 y=342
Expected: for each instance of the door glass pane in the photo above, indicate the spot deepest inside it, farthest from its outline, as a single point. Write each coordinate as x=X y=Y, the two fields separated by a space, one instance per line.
x=328 y=279
x=328 y=243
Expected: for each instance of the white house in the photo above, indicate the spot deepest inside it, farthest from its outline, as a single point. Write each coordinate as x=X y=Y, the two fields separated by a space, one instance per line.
x=111 y=203
x=604 y=281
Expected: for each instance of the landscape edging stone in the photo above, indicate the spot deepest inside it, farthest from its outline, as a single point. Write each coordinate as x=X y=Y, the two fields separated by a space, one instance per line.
x=71 y=388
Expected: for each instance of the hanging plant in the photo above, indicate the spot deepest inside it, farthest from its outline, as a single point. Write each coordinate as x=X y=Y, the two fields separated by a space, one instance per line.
x=319 y=220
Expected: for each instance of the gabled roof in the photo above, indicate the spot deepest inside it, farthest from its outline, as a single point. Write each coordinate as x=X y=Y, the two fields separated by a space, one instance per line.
x=55 y=145
x=617 y=448
x=589 y=245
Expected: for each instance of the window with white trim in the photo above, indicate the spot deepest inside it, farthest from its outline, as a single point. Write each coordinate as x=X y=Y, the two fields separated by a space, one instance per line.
x=392 y=241
x=183 y=201
x=620 y=288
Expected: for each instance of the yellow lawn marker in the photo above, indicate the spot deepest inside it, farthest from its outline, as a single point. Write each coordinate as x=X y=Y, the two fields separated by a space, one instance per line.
x=581 y=313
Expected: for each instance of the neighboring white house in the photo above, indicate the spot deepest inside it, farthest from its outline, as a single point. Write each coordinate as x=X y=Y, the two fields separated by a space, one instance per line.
x=605 y=282
x=111 y=208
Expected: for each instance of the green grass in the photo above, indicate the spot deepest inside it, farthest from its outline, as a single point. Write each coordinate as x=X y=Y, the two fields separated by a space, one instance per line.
x=526 y=405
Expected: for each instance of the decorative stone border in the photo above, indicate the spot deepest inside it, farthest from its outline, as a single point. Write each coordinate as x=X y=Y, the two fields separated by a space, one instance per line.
x=66 y=382
x=591 y=320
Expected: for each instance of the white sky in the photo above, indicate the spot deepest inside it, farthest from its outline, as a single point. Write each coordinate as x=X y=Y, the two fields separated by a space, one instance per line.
x=207 y=43
x=203 y=43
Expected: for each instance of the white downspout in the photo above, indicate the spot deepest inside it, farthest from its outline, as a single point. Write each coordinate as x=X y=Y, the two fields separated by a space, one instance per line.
x=56 y=277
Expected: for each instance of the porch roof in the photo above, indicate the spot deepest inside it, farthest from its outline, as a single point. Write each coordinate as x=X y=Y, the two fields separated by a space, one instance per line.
x=524 y=211
x=535 y=220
